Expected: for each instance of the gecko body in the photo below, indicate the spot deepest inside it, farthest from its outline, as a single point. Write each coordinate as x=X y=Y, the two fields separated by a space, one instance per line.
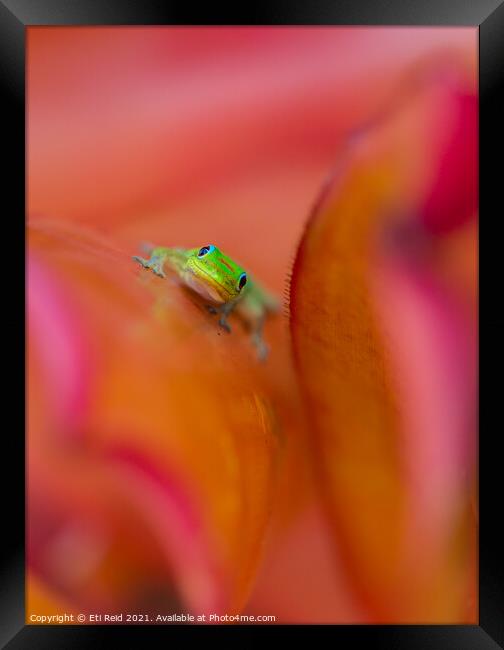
x=223 y=285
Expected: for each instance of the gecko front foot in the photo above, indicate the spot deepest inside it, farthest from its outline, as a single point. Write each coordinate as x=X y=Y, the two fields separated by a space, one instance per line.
x=154 y=264
x=142 y=261
x=224 y=324
x=222 y=320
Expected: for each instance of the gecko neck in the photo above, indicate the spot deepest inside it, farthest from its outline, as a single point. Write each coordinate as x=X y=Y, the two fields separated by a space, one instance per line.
x=176 y=257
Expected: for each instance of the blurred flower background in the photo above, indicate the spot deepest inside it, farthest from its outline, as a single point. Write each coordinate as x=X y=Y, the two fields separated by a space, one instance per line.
x=168 y=471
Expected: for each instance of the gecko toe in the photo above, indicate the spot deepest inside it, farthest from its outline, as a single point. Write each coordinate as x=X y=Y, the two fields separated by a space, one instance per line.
x=225 y=325
x=140 y=260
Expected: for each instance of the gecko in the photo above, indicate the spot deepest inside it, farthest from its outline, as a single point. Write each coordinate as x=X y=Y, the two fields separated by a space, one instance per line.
x=221 y=282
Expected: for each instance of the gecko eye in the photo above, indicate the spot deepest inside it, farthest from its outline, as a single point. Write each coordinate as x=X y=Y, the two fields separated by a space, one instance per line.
x=242 y=281
x=205 y=250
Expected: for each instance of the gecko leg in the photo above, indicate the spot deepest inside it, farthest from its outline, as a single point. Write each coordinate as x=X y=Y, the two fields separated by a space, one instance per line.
x=224 y=311
x=257 y=340
x=154 y=263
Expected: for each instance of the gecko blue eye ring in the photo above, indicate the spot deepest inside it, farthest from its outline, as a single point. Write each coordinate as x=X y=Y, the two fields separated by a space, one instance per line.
x=205 y=250
x=242 y=281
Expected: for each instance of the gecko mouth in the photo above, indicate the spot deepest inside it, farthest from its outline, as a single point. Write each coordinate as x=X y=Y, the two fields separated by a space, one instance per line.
x=207 y=287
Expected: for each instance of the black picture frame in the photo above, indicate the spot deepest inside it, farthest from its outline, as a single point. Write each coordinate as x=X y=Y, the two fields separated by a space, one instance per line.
x=15 y=17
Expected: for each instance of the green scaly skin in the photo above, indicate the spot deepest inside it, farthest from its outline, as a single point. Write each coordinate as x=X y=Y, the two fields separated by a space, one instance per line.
x=221 y=282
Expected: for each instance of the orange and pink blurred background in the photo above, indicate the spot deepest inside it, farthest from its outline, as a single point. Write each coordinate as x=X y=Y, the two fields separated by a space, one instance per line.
x=167 y=470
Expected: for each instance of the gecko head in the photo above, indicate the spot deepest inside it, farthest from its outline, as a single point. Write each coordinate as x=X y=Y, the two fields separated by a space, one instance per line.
x=214 y=275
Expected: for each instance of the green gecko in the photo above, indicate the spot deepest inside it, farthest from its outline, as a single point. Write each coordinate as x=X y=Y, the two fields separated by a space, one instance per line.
x=221 y=282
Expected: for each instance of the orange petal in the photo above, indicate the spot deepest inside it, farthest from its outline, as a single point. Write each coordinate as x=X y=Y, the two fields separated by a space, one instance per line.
x=172 y=453
x=363 y=335
x=301 y=579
